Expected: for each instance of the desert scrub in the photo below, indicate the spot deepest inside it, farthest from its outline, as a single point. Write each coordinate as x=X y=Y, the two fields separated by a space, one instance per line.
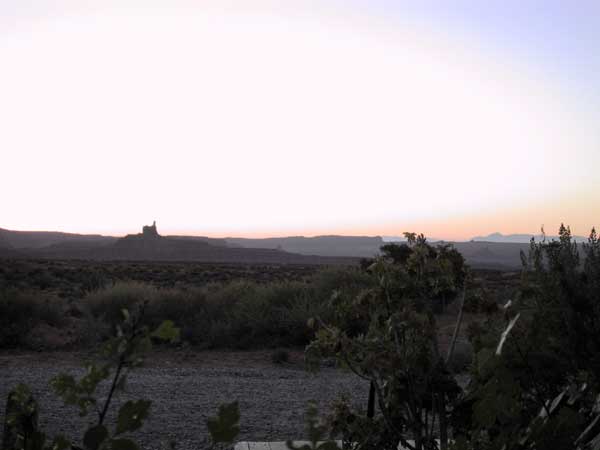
x=243 y=314
x=107 y=303
x=264 y=317
x=240 y=314
x=21 y=311
x=351 y=280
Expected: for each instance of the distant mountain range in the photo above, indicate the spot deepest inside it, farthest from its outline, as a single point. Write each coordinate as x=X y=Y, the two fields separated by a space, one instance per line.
x=518 y=238
x=146 y=246
x=495 y=251
x=40 y=239
x=344 y=246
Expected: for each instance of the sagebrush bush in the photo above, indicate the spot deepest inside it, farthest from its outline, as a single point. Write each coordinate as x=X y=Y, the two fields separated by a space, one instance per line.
x=349 y=279
x=235 y=314
x=174 y=304
x=238 y=314
x=106 y=303
x=262 y=316
x=21 y=311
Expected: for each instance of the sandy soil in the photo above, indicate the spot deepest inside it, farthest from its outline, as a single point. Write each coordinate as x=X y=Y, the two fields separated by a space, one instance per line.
x=186 y=387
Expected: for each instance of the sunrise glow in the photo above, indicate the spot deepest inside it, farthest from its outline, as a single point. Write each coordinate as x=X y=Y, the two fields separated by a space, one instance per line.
x=303 y=120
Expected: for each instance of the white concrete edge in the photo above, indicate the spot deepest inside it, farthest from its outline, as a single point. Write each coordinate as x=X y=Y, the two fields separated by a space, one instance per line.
x=281 y=445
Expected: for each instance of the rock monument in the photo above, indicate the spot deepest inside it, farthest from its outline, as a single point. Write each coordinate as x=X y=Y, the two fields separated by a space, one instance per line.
x=150 y=231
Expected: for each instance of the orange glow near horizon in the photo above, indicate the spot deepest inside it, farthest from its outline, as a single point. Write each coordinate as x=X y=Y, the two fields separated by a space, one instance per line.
x=272 y=119
x=581 y=216
x=449 y=229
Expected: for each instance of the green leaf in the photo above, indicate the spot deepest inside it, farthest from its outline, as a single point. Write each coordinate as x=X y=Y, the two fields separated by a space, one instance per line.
x=123 y=444
x=94 y=376
x=225 y=427
x=65 y=387
x=94 y=437
x=316 y=431
x=167 y=331
x=132 y=415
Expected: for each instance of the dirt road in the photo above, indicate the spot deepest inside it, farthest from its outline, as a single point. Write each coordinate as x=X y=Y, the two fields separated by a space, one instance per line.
x=186 y=387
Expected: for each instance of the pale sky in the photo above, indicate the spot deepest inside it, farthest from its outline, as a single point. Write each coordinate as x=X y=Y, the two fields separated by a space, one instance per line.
x=256 y=118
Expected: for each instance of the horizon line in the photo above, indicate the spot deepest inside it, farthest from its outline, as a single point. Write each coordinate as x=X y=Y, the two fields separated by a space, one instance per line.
x=279 y=235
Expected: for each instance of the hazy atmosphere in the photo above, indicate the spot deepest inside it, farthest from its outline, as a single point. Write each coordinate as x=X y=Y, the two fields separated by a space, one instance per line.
x=299 y=225
x=261 y=118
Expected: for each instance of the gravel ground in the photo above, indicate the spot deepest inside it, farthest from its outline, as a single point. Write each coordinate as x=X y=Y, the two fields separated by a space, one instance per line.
x=186 y=388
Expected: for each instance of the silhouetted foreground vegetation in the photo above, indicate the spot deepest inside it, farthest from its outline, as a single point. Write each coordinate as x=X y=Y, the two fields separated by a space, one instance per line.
x=535 y=375
x=535 y=378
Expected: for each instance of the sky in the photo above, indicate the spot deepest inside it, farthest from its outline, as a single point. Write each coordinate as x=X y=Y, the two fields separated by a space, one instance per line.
x=271 y=118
